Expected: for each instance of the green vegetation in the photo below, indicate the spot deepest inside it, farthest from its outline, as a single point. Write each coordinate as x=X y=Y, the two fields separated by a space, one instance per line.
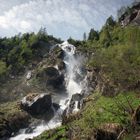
x=109 y=110
x=116 y=54
x=55 y=134
x=93 y=35
x=119 y=56
x=97 y=112
x=2 y=67
x=101 y=110
x=17 y=52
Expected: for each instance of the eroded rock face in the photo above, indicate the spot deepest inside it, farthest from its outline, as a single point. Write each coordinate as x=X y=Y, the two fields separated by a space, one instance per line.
x=75 y=105
x=61 y=65
x=52 y=78
x=13 y=123
x=97 y=81
x=57 y=52
x=37 y=104
x=131 y=18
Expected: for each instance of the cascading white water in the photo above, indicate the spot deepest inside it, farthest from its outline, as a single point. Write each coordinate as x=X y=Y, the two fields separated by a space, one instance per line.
x=72 y=67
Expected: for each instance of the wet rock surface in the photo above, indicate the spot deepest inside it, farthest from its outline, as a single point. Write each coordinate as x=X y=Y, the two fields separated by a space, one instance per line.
x=37 y=104
x=74 y=106
x=51 y=77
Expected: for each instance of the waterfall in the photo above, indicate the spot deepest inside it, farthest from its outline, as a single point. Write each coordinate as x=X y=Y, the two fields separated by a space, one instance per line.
x=71 y=69
x=73 y=66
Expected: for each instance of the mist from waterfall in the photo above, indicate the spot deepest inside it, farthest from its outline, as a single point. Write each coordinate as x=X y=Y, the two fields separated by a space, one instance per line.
x=73 y=66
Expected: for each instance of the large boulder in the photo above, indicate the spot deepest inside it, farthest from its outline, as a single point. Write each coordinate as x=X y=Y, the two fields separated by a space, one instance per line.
x=52 y=78
x=75 y=103
x=37 y=104
x=74 y=106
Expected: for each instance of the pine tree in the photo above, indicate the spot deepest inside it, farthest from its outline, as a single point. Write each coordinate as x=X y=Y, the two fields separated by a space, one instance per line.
x=93 y=35
x=84 y=36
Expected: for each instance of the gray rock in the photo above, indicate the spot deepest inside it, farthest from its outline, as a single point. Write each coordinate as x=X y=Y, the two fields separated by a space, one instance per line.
x=76 y=99
x=52 y=78
x=36 y=104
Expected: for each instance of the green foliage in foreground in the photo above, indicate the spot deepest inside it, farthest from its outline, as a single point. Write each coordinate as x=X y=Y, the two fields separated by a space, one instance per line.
x=56 y=134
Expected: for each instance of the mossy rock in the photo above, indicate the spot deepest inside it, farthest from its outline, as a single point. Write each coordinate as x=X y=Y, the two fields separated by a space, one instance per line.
x=12 y=119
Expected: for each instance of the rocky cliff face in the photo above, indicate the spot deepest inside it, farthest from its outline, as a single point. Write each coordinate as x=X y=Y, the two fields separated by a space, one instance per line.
x=132 y=17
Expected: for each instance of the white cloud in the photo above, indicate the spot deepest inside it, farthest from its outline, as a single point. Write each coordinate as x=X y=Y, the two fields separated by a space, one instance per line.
x=62 y=18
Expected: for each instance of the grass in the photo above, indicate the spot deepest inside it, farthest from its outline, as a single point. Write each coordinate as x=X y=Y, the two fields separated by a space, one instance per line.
x=103 y=110
x=58 y=133
x=8 y=108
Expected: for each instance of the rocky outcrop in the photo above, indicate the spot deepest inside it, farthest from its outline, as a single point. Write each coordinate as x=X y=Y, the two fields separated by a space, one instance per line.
x=75 y=103
x=61 y=65
x=98 y=82
x=13 y=124
x=74 y=106
x=57 y=52
x=12 y=119
x=109 y=131
x=131 y=16
x=92 y=78
x=37 y=104
x=52 y=79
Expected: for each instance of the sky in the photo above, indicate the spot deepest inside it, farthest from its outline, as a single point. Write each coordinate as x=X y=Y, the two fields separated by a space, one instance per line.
x=61 y=18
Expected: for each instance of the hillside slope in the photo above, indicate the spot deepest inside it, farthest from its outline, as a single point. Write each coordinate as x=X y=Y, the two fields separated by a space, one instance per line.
x=111 y=111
